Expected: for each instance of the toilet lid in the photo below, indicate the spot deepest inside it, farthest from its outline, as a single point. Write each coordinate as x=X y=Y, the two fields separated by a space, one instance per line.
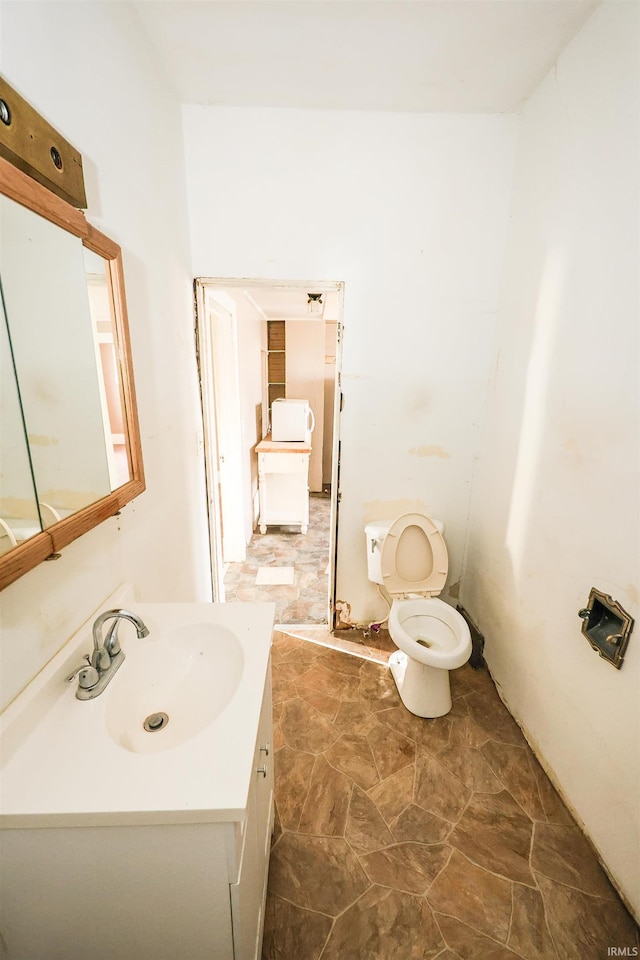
x=414 y=557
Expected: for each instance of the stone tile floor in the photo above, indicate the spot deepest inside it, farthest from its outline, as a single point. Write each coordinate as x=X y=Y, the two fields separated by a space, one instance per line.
x=399 y=838
x=307 y=599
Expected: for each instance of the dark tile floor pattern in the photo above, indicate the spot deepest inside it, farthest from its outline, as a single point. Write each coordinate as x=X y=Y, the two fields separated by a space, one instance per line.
x=307 y=599
x=399 y=838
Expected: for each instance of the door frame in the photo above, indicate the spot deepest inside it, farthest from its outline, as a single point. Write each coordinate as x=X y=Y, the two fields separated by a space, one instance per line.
x=203 y=286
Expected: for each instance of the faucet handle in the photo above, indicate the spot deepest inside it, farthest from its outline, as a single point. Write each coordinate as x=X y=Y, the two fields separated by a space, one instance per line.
x=87 y=675
x=76 y=670
x=87 y=678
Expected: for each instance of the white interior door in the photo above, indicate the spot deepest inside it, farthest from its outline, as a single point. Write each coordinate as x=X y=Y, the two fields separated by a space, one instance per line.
x=210 y=444
x=219 y=389
x=228 y=428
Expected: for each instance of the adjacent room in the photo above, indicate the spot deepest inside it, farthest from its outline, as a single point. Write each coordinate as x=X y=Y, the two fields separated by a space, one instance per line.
x=269 y=363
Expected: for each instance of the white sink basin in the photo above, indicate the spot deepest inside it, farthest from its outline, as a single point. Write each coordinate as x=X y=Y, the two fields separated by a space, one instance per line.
x=187 y=675
x=70 y=762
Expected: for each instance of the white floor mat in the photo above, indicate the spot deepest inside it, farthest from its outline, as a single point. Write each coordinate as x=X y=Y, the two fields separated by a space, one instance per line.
x=274 y=576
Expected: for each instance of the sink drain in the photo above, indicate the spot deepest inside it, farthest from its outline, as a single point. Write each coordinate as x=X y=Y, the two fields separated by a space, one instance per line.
x=155 y=722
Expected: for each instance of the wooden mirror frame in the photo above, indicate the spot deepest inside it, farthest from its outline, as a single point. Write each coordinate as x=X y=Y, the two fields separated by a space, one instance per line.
x=47 y=544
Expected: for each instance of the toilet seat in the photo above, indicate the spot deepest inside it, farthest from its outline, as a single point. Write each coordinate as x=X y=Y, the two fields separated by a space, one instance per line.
x=430 y=631
x=414 y=558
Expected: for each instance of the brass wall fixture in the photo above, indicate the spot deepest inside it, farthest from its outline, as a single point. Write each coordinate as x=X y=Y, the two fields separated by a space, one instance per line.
x=607 y=626
x=31 y=144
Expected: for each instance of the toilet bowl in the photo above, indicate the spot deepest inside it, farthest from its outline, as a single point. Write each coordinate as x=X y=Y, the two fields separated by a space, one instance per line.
x=408 y=556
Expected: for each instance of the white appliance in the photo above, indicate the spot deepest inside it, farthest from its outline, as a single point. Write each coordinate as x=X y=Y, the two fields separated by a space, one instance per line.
x=292 y=420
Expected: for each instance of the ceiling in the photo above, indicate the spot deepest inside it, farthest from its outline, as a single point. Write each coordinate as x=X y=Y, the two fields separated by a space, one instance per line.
x=280 y=301
x=466 y=56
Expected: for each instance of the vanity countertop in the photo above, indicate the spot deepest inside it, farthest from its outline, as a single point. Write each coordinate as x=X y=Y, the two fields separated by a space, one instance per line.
x=282 y=446
x=62 y=765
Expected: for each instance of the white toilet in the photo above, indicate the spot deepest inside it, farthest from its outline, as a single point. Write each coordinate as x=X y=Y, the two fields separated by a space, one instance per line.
x=408 y=557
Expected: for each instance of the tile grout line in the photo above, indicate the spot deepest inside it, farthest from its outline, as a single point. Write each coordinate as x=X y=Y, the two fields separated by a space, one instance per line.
x=481 y=933
x=544 y=908
x=498 y=876
x=444 y=867
x=510 y=916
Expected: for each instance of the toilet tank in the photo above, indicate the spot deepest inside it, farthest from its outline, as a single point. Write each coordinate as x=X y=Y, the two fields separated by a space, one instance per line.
x=375 y=533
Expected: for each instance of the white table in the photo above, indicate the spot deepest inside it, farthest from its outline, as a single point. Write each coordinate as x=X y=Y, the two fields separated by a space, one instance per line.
x=283 y=482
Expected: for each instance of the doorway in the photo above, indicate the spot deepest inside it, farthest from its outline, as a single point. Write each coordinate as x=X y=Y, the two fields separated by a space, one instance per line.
x=259 y=341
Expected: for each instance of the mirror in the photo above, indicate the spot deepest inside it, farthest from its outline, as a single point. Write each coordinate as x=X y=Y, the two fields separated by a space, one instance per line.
x=17 y=490
x=69 y=438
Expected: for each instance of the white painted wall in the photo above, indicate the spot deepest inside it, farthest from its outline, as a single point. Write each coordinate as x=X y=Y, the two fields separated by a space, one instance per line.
x=89 y=69
x=305 y=381
x=410 y=211
x=555 y=505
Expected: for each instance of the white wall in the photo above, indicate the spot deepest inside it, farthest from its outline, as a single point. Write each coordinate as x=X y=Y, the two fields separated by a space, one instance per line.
x=305 y=381
x=555 y=506
x=88 y=68
x=410 y=211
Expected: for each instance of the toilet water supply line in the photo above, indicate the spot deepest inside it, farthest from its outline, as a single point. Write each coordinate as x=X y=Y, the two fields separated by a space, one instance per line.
x=375 y=626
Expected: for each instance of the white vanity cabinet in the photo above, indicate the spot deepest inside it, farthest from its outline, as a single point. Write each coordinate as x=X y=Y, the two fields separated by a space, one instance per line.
x=190 y=885
x=283 y=483
x=252 y=845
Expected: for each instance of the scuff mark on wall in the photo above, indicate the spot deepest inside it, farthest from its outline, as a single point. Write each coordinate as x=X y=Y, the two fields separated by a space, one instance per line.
x=573 y=453
x=633 y=592
x=390 y=509
x=419 y=405
x=42 y=440
x=496 y=366
x=432 y=451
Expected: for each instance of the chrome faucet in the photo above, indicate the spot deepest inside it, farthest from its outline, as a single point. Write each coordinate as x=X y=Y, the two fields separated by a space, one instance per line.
x=107 y=654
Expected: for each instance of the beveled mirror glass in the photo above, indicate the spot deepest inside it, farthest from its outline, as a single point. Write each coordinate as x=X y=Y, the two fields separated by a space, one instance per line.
x=70 y=443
